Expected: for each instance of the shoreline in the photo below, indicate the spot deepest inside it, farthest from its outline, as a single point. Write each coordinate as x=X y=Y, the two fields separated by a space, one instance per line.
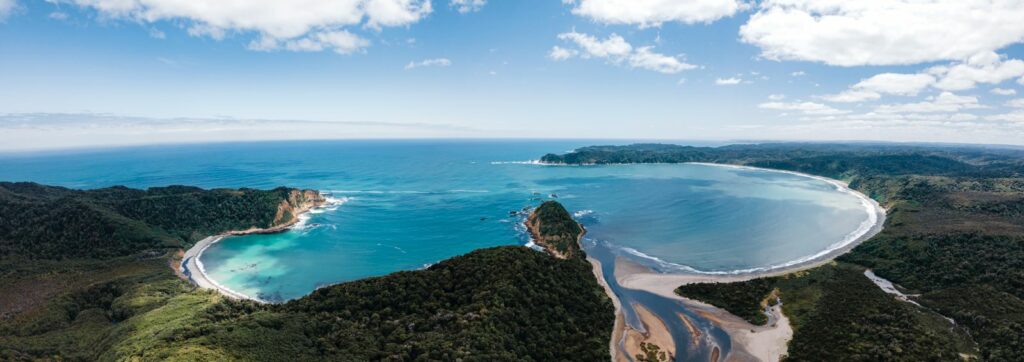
x=192 y=268
x=767 y=342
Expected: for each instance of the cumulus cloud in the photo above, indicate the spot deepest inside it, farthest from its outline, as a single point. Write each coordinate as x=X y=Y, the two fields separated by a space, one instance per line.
x=944 y=102
x=647 y=13
x=341 y=42
x=885 y=83
x=776 y=97
x=436 y=62
x=809 y=108
x=616 y=50
x=613 y=46
x=466 y=6
x=728 y=81
x=1015 y=103
x=1003 y=91
x=293 y=25
x=644 y=58
x=852 y=96
x=558 y=53
x=1015 y=117
x=882 y=32
x=984 y=67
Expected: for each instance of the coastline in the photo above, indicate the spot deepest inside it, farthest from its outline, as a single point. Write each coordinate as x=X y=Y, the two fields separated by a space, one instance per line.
x=192 y=269
x=750 y=342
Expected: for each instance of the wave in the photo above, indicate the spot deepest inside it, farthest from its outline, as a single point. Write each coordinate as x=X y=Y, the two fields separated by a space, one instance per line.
x=528 y=162
x=393 y=247
x=331 y=203
x=582 y=213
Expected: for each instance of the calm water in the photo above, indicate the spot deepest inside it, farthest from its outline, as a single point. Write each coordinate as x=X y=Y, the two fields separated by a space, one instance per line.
x=408 y=204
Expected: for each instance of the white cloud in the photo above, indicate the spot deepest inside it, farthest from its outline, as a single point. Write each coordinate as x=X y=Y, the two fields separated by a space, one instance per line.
x=646 y=13
x=6 y=8
x=32 y=131
x=776 y=97
x=984 y=67
x=1015 y=103
x=852 y=96
x=728 y=81
x=341 y=42
x=295 y=25
x=896 y=83
x=882 y=32
x=558 y=53
x=1003 y=91
x=614 y=46
x=944 y=102
x=885 y=83
x=618 y=51
x=644 y=58
x=798 y=73
x=809 y=108
x=1015 y=116
x=56 y=15
x=466 y=6
x=436 y=62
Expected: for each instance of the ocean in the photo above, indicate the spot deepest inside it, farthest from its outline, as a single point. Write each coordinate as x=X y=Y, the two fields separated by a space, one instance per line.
x=403 y=205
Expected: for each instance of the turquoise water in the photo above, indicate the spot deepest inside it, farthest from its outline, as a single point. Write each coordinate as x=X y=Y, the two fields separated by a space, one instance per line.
x=408 y=204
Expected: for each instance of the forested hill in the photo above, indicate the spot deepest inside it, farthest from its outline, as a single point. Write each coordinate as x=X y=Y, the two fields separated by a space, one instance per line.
x=46 y=222
x=954 y=239
x=831 y=160
x=553 y=228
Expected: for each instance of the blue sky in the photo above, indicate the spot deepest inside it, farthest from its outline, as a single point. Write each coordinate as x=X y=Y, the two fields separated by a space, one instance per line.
x=77 y=73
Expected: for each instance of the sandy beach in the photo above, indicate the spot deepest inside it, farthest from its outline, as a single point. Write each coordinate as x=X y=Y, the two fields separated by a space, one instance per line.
x=191 y=267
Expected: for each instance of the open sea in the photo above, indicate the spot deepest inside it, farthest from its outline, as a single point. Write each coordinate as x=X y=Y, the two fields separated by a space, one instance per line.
x=403 y=205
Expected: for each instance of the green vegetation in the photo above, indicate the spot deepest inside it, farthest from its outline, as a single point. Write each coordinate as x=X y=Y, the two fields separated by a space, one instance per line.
x=62 y=301
x=742 y=299
x=954 y=238
x=554 y=229
x=650 y=352
x=45 y=222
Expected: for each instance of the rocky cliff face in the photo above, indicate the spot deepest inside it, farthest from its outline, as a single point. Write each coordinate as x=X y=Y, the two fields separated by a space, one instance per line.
x=297 y=202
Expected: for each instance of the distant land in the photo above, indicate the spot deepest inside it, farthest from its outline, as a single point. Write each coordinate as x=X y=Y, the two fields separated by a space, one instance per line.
x=93 y=274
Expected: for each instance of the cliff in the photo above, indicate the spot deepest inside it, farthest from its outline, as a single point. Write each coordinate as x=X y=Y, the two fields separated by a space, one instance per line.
x=295 y=203
x=554 y=229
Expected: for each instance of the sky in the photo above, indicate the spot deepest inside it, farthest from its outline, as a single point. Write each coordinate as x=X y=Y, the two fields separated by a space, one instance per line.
x=87 y=73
